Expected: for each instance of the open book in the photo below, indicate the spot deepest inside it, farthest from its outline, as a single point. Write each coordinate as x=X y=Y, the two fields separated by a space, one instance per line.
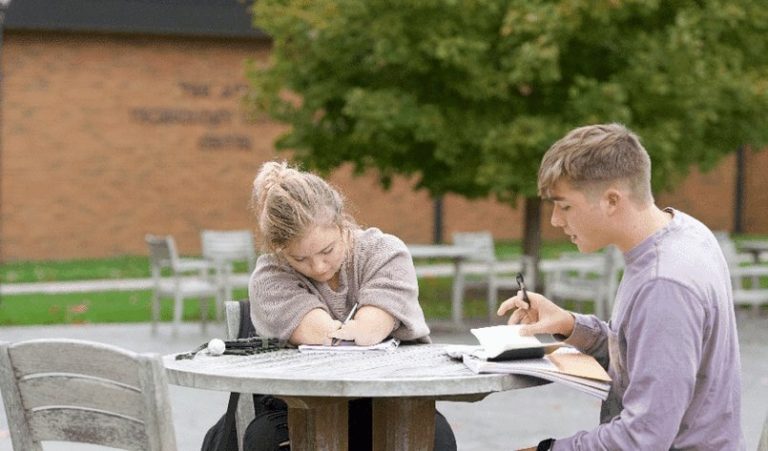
x=346 y=346
x=506 y=343
x=503 y=350
x=566 y=366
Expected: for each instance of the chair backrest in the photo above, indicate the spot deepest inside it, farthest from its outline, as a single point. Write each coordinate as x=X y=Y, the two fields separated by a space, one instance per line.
x=229 y=245
x=587 y=276
x=239 y=325
x=482 y=241
x=613 y=263
x=728 y=246
x=85 y=392
x=238 y=315
x=162 y=253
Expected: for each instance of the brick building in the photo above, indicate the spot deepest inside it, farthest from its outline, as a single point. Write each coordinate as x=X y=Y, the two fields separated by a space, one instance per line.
x=123 y=117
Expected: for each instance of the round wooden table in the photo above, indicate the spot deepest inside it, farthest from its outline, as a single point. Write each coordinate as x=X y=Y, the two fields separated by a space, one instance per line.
x=404 y=385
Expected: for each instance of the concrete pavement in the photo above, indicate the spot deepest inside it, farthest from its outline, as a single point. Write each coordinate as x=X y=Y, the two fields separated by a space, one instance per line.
x=505 y=420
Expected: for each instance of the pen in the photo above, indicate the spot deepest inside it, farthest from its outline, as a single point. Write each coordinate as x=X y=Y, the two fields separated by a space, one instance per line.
x=521 y=284
x=336 y=341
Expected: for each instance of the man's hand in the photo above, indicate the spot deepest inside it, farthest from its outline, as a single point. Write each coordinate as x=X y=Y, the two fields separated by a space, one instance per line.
x=542 y=316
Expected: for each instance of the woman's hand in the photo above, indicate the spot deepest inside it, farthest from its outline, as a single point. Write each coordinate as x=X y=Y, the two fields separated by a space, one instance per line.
x=542 y=316
x=315 y=328
x=370 y=325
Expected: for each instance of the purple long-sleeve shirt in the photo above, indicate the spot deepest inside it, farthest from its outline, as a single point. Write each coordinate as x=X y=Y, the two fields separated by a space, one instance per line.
x=671 y=348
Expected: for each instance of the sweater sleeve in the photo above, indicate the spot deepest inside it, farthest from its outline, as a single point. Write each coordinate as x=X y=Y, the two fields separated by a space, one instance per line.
x=590 y=336
x=279 y=298
x=388 y=281
x=663 y=351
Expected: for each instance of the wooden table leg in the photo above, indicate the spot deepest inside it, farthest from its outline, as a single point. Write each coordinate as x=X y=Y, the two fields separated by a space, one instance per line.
x=403 y=423
x=317 y=423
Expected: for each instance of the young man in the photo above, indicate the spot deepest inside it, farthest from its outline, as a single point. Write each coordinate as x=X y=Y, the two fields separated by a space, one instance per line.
x=671 y=346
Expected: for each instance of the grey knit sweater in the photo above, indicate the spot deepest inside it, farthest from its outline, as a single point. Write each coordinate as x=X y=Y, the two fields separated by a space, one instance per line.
x=378 y=272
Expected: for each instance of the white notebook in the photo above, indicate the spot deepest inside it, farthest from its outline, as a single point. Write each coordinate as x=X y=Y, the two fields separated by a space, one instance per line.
x=506 y=343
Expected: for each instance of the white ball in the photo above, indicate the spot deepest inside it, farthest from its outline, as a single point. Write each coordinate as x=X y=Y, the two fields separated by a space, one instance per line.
x=216 y=347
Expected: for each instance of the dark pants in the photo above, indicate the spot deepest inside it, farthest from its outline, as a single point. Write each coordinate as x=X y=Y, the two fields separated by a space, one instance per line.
x=270 y=427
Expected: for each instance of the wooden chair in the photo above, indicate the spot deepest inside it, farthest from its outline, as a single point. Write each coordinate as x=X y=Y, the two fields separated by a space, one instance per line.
x=579 y=277
x=85 y=392
x=162 y=255
x=223 y=248
x=746 y=277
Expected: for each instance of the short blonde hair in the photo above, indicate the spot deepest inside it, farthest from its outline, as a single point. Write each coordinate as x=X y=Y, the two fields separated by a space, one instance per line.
x=595 y=155
x=287 y=202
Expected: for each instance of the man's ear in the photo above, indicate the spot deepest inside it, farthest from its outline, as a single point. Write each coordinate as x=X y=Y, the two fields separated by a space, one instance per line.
x=612 y=198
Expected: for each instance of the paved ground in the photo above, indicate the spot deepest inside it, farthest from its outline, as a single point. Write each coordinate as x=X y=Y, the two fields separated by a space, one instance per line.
x=501 y=421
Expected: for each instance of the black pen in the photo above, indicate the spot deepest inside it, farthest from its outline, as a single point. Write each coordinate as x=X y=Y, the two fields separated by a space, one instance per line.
x=336 y=341
x=521 y=283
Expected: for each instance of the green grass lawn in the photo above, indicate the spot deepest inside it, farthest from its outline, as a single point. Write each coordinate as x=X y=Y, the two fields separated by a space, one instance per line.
x=134 y=306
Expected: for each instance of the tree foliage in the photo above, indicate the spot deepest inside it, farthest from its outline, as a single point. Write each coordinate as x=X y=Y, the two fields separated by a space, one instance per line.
x=467 y=95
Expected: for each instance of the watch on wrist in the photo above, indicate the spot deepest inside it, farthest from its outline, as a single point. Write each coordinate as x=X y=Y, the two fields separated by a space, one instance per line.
x=546 y=445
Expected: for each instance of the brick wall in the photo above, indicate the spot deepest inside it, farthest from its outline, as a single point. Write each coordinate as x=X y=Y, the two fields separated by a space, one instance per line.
x=108 y=137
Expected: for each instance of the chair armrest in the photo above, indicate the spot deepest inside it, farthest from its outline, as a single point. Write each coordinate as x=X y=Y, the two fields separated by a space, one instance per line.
x=749 y=271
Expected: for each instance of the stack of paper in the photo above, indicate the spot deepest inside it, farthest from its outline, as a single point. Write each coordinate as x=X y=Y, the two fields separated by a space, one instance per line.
x=566 y=366
x=503 y=350
x=347 y=346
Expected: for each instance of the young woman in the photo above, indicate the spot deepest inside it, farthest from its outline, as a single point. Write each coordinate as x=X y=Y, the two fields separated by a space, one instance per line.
x=318 y=263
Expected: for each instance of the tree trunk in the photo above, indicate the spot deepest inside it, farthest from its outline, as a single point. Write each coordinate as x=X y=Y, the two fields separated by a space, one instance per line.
x=437 y=224
x=532 y=235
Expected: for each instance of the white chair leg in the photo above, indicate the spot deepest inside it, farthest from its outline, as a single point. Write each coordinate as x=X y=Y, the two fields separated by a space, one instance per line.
x=203 y=314
x=178 y=310
x=457 y=296
x=155 y=311
x=493 y=299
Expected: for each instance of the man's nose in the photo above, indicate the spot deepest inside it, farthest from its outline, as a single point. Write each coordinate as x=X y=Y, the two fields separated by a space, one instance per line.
x=556 y=220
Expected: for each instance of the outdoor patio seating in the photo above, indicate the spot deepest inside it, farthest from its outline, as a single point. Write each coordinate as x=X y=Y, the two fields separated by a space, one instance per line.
x=746 y=277
x=180 y=285
x=584 y=277
x=85 y=392
x=495 y=275
x=223 y=248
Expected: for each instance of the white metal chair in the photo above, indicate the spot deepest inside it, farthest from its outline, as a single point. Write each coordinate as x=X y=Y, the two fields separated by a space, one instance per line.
x=162 y=255
x=579 y=277
x=505 y=279
x=494 y=275
x=746 y=277
x=85 y=392
x=245 y=413
x=223 y=248
x=485 y=255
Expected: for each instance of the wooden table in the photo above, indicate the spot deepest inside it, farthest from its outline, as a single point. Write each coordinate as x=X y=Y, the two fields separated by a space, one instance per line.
x=458 y=254
x=404 y=385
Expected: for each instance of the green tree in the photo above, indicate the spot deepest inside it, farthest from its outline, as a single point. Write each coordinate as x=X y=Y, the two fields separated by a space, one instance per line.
x=467 y=95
